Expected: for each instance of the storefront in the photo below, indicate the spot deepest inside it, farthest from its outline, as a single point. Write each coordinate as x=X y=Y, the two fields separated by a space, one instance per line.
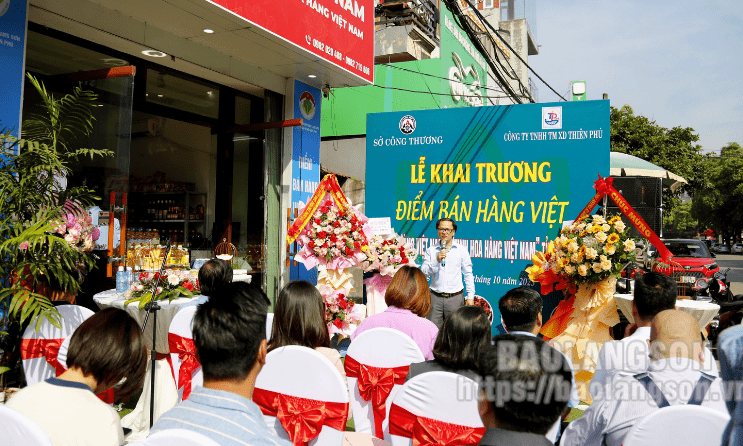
x=192 y=102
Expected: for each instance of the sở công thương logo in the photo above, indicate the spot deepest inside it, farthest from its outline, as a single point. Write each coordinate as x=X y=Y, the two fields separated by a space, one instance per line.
x=307 y=105
x=407 y=124
x=551 y=118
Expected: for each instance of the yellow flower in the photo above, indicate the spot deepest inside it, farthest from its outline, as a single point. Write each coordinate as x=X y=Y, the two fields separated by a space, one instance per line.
x=563 y=262
x=610 y=249
x=583 y=269
x=605 y=227
x=576 y=258
x=540 y=260
x=569 y=269
x=597 y=267
x=619 y=226
x=600 y=237
x=591 y=253
x=582 y=251
x=595 y=228
x=614 y=219
x=605 y=263
x=599 y=220
x=572 y=246
x=613 y=238
x=583 y=233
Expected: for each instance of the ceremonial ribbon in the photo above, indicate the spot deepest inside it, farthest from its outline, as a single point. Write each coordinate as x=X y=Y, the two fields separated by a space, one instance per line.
x=375 y=385
x=329 y=185
x=187 y=354
x=301 y=418
x=427 y=431
x=48 y=348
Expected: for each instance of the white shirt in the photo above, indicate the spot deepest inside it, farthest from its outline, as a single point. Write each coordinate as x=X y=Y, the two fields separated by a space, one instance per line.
x=69 y=413
x=631 y=355
x=447 y=278
x=626 y=401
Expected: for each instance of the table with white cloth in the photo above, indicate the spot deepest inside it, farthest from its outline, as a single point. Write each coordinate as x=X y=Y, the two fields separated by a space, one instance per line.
x=703 y=312
x=166 y=394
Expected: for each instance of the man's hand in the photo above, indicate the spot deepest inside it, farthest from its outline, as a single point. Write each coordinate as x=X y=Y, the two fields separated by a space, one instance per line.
x=442 y=255
x=469 y=302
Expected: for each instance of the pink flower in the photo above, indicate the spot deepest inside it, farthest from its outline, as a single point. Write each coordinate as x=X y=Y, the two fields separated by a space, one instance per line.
x=23 y=246
x=71 y=220
x=95 y=234
x=88 y=219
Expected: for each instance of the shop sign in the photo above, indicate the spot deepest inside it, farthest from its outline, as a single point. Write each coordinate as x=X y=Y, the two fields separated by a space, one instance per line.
x=462 y=66
x=12 y=54
x=339 y=31
x=509 y=183
x=305 y=160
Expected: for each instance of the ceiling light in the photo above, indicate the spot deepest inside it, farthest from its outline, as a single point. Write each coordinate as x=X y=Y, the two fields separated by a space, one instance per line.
x=210 y=92
x=154 y=53
x=146 y=94
x=159 y=96
x=100 y=105
x=311 y=76
x=209 y=31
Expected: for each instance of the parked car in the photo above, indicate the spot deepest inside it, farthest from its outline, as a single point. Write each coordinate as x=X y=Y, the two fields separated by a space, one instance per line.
x=691 y=261
x=723 y=249
x=737 y=248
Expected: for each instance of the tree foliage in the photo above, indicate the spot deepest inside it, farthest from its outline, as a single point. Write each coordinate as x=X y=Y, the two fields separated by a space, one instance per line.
x=719 y=205
x=673 y=149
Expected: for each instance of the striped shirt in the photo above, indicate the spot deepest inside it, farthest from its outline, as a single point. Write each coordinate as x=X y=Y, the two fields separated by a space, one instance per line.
x=225 y=417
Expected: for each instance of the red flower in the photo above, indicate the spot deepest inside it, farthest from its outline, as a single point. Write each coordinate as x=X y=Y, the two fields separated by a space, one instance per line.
x=318 y=221
x=311 y=244
x=336 y=224
x=333 y=238
x=338 y=323
x=156 y=276
x=342 y=296
x=405 y=260
x=357 y=245
x=324 y=209
x=142 y=277
x=187 y=285
x=328 y=203
x=348 y=251
x=343 y=304
x=325 y=245
x=354 y=219
x=322 y=234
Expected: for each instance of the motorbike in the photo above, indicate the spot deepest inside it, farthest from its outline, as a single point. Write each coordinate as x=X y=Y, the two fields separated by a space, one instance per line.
x=716 y=289
x=626 y=281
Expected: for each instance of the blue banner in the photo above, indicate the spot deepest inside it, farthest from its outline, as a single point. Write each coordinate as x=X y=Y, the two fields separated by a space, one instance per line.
x=12 y=62
x=508 y=175
x=305 y=161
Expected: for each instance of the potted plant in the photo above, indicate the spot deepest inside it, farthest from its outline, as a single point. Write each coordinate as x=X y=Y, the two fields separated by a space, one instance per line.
x=43 y=238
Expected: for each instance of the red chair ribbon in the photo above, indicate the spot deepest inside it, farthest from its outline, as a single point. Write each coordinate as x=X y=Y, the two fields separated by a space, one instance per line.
x=375 y=385
x=187 y=354
x=48 y=348
x=301 y=418
x=427 y=431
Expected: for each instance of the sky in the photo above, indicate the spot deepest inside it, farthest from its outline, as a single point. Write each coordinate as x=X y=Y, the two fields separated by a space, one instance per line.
x=679 y=63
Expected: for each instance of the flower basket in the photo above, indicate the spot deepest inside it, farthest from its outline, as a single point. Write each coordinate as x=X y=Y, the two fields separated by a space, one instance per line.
x=172 y=285
x=385 y=256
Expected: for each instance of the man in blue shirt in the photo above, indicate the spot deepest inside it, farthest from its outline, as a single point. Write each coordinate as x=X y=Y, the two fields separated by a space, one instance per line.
x=229 y=333
x=445 y=265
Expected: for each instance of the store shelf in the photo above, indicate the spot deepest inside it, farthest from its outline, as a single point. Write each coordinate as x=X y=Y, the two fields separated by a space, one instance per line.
x=164 y=221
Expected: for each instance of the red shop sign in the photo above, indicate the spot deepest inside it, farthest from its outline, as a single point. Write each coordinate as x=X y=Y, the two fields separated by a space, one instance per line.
x=339 y=31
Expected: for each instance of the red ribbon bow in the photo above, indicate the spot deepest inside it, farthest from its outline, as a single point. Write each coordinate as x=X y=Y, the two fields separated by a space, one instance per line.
x=603 y=185
x=375 y=385
x=427 y=431
x=301 y=418
x=187 y=354
x=48 y=348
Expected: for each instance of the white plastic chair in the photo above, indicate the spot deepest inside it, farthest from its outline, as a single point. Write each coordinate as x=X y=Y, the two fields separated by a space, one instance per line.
x=302 y=372
x=441 y=396
x=380 y=348
x=269 y=325
x=181 y=326
x=180 y=437
x=36 y=365
x=17 y=428
x=683 y=425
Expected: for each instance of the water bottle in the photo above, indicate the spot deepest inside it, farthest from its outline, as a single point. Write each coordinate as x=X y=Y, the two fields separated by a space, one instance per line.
x=121 y=282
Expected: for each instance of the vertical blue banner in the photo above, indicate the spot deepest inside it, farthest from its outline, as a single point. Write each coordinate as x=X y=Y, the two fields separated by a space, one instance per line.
x=305 y=161
x=13 y=18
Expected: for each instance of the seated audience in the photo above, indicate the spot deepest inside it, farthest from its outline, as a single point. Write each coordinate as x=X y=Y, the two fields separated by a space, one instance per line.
x=409 y=300
x=672 y=377
x=213 y=274
x=229 y=333
x=730 y=352
x=512 y=364
x=299 y=319
x=459 y=342
x=107 y=350
x=654 y=293
x=521 y=312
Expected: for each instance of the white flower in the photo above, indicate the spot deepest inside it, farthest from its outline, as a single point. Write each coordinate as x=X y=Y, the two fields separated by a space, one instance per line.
x=583 y=270
x=600 y=237
x=610 y=249
x=629 y=245
x=605 y=227
x=597 y=267
x=599 y=220
x=173 y=279
x=591 y=253
x=569 y=269
x=619 y=226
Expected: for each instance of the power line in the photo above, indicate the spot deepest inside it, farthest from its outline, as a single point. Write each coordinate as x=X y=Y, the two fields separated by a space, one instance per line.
x=439 y=77
x=439 y=94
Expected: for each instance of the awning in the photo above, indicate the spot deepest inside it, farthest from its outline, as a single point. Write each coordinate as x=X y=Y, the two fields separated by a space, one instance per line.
x=624 y=165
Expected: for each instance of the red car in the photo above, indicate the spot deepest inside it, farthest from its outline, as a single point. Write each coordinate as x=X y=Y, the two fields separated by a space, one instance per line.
x=691 y=261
